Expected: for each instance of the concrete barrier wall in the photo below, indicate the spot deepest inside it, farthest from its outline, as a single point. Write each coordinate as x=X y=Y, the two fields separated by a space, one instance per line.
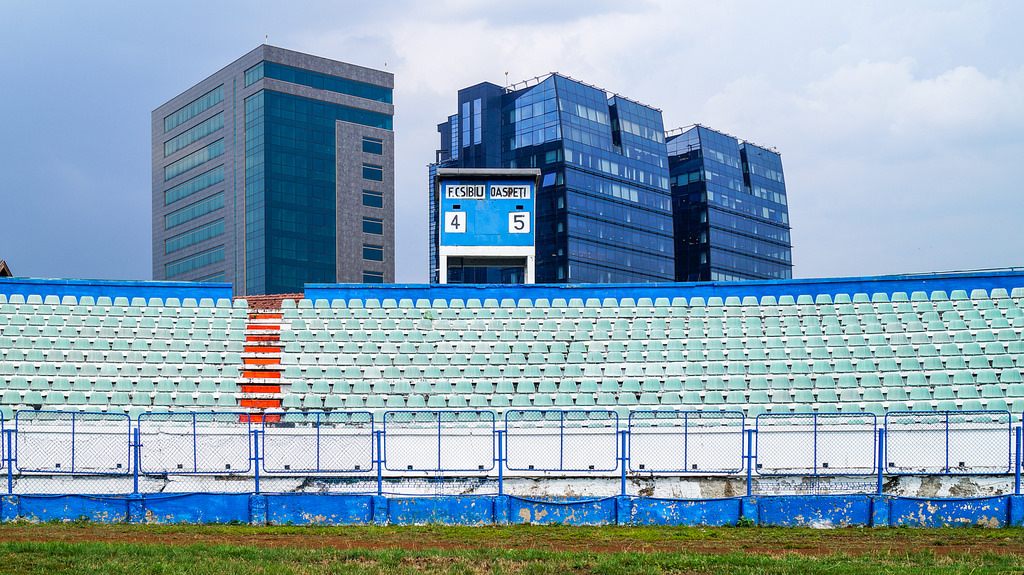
x=339 y=509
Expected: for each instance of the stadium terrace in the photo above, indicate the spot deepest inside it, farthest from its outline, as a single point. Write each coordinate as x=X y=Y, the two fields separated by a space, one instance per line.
x=888 y=400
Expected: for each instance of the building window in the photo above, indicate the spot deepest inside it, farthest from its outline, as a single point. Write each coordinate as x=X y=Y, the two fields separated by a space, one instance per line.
x=214 y=277
x=373 y=199
x=196 y=184
x=464 y=122
x=194 y=108
x=194 y=236
x=373 y=277
x=319 y=81
x=254 y=74
x=372 y=172
x=373 y=226
x=194 y=160
x=194 y=134
x=194 y=262
x=193 y=211
x=477 y=127
x=373 y=145
x=373 y=253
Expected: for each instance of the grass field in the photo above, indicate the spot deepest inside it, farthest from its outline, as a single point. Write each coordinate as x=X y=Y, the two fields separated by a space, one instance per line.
x=84 y=548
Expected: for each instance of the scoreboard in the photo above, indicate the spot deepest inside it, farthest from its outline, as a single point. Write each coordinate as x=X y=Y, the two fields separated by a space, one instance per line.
x=487 y=213
x=486 y=218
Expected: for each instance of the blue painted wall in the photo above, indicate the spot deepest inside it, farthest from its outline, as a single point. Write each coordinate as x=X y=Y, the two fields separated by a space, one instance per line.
x=342 y=509
x=869 y=284
x=112 y=288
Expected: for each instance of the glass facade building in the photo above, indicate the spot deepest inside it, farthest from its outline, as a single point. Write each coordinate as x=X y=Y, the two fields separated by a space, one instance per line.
x=603 y=210
x=729 y=207
x=260 y=175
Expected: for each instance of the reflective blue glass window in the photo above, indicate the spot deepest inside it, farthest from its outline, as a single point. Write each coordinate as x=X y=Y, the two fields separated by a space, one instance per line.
x=373 y=226
x=326 y=82
x=214 y=277
x=373 y=145
x=373 y=199
x=194 y=185
x=194 y=262
x=254 y=74
x=194 y=160
x=195 y=210
x=372 y=172
x=454 y=122
x=194 y=134
x=194 y=108
x=370 y=277
x=194 y=236
x=373 y=253
x=477 y=118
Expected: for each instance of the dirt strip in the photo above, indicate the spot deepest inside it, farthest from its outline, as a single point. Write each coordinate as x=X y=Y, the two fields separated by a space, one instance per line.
x=712 y=541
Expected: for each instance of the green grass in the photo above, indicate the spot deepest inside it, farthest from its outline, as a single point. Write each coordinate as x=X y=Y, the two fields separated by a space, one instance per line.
x=83 y=548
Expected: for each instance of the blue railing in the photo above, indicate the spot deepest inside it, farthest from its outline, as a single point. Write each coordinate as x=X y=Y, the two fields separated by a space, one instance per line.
x=467 y=443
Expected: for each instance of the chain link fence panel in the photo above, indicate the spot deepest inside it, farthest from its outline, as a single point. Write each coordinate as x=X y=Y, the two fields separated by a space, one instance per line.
x=948 y=442
x=65 y=442
x=195 y=443
x=439 y=441
x=562 y=441
x=317 y=443
x=686 y=442
x=816 y=444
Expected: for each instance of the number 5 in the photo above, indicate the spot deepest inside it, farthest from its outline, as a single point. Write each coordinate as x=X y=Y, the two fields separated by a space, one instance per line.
x=519 y=223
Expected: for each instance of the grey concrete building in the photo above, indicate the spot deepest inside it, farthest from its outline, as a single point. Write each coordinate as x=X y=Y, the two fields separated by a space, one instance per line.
x=276 y=171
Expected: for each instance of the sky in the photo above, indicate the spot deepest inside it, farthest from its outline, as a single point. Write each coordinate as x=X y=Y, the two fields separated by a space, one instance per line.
x=899 y=123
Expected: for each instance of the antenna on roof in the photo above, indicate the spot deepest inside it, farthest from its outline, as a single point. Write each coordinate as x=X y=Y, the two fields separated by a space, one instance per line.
x=506 y=80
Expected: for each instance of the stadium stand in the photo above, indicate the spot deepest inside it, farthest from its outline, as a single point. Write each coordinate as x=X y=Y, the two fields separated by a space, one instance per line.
x=861 y=352
x=119 y=354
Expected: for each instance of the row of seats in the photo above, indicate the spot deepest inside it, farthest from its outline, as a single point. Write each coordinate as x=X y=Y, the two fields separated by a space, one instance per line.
x=172 y=304
x=345 y=319
x=979 y=295
x=677 y=365
x=772 y=348
x=690 y=400
x=135 y=371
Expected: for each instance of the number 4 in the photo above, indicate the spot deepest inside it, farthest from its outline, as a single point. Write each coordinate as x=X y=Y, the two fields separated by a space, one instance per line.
x=455 y=222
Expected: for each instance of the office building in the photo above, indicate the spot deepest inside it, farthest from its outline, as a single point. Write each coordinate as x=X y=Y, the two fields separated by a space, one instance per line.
x=603 y=208
x=274 y=172
x=729 y=208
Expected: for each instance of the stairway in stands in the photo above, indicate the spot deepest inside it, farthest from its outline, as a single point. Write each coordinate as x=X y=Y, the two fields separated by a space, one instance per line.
x=260 y=384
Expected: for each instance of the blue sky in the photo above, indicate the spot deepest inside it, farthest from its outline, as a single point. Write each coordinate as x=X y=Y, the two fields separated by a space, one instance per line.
x=899 y=123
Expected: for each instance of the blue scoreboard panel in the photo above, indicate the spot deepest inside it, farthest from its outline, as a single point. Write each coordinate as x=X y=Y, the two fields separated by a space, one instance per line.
x=489 y=212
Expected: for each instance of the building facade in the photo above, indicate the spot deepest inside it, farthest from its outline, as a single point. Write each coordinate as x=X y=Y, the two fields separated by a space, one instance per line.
x=603 y=208
x=276 y=171
x=730 y=211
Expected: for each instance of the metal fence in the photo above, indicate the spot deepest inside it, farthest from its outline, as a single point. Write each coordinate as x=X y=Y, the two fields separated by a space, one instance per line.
x=950 y=443
x=686 y=442
x=225 y=451
x=562 y=441
x=816 y=444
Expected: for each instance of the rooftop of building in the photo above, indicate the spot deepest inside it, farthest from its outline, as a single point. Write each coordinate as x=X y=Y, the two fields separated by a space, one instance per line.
x=531 y=82
x=284 y=54
x=676 y=132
